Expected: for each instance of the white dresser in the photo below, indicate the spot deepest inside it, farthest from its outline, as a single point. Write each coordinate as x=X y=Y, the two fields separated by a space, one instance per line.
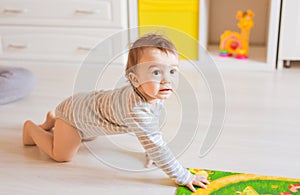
x=58 y=31
x=289 y=42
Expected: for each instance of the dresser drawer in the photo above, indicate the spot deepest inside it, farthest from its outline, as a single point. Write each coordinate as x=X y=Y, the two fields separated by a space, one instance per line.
x=92 y=13
x=63 y=44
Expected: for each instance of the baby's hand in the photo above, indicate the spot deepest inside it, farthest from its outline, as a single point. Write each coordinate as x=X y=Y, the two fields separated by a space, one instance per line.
x=149 y=162
x=198 y=180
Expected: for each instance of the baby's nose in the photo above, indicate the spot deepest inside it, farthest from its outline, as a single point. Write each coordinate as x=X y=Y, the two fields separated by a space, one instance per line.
x=166 y=78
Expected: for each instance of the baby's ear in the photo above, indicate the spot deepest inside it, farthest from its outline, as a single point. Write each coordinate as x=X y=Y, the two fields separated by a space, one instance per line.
x=133 y=79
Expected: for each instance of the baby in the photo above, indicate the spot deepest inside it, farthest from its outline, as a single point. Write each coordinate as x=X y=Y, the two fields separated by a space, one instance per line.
x=151 y=69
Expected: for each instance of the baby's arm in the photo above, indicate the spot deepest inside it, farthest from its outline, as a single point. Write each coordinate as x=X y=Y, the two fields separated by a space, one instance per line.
x=158 y=151
x=198 y=180
x=162 y=156
x=146 y=127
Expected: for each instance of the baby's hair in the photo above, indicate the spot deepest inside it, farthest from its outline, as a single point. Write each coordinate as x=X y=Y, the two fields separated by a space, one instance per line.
x=147 y=41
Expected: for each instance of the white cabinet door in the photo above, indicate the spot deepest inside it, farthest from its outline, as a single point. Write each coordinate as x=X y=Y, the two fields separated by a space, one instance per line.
x=289 y=44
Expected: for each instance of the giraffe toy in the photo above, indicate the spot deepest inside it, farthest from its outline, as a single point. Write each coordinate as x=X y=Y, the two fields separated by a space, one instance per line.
x=234 y=43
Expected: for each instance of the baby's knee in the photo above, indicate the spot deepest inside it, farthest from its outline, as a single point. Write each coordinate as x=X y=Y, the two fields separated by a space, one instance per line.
x=27 y=124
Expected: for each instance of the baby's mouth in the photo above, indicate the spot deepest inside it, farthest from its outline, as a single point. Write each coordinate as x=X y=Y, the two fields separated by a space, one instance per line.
x=165 y=90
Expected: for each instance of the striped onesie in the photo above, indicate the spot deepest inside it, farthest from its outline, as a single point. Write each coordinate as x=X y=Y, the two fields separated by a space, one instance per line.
x=118 y=111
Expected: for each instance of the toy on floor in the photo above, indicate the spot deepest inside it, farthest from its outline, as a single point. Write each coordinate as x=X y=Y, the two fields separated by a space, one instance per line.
x=294 y=187
x=15 y=83
x=234 y=43
x=222 y=182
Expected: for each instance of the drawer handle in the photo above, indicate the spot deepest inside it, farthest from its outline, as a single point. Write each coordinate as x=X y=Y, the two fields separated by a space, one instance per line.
x=17 y=46
x=14 y=11
x=82 y=48
x=87 y=12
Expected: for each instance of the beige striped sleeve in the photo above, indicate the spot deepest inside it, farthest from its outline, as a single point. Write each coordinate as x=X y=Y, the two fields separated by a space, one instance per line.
x=145 y=124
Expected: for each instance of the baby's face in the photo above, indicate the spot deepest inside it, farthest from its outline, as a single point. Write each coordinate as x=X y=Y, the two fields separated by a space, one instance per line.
x=156 y=74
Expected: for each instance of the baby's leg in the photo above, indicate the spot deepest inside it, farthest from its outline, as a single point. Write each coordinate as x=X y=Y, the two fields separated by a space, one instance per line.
x=60 y=146
x=49 y=123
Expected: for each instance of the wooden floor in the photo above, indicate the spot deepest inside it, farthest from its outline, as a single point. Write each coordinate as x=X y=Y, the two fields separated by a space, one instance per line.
x=260 y=135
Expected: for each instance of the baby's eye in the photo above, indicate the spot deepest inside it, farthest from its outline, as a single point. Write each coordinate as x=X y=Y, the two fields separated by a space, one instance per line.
x=156 y=72
x=173 y=71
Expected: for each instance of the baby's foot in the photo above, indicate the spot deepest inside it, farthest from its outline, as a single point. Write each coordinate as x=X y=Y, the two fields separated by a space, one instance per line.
x=49 y=123
x=27 y=140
